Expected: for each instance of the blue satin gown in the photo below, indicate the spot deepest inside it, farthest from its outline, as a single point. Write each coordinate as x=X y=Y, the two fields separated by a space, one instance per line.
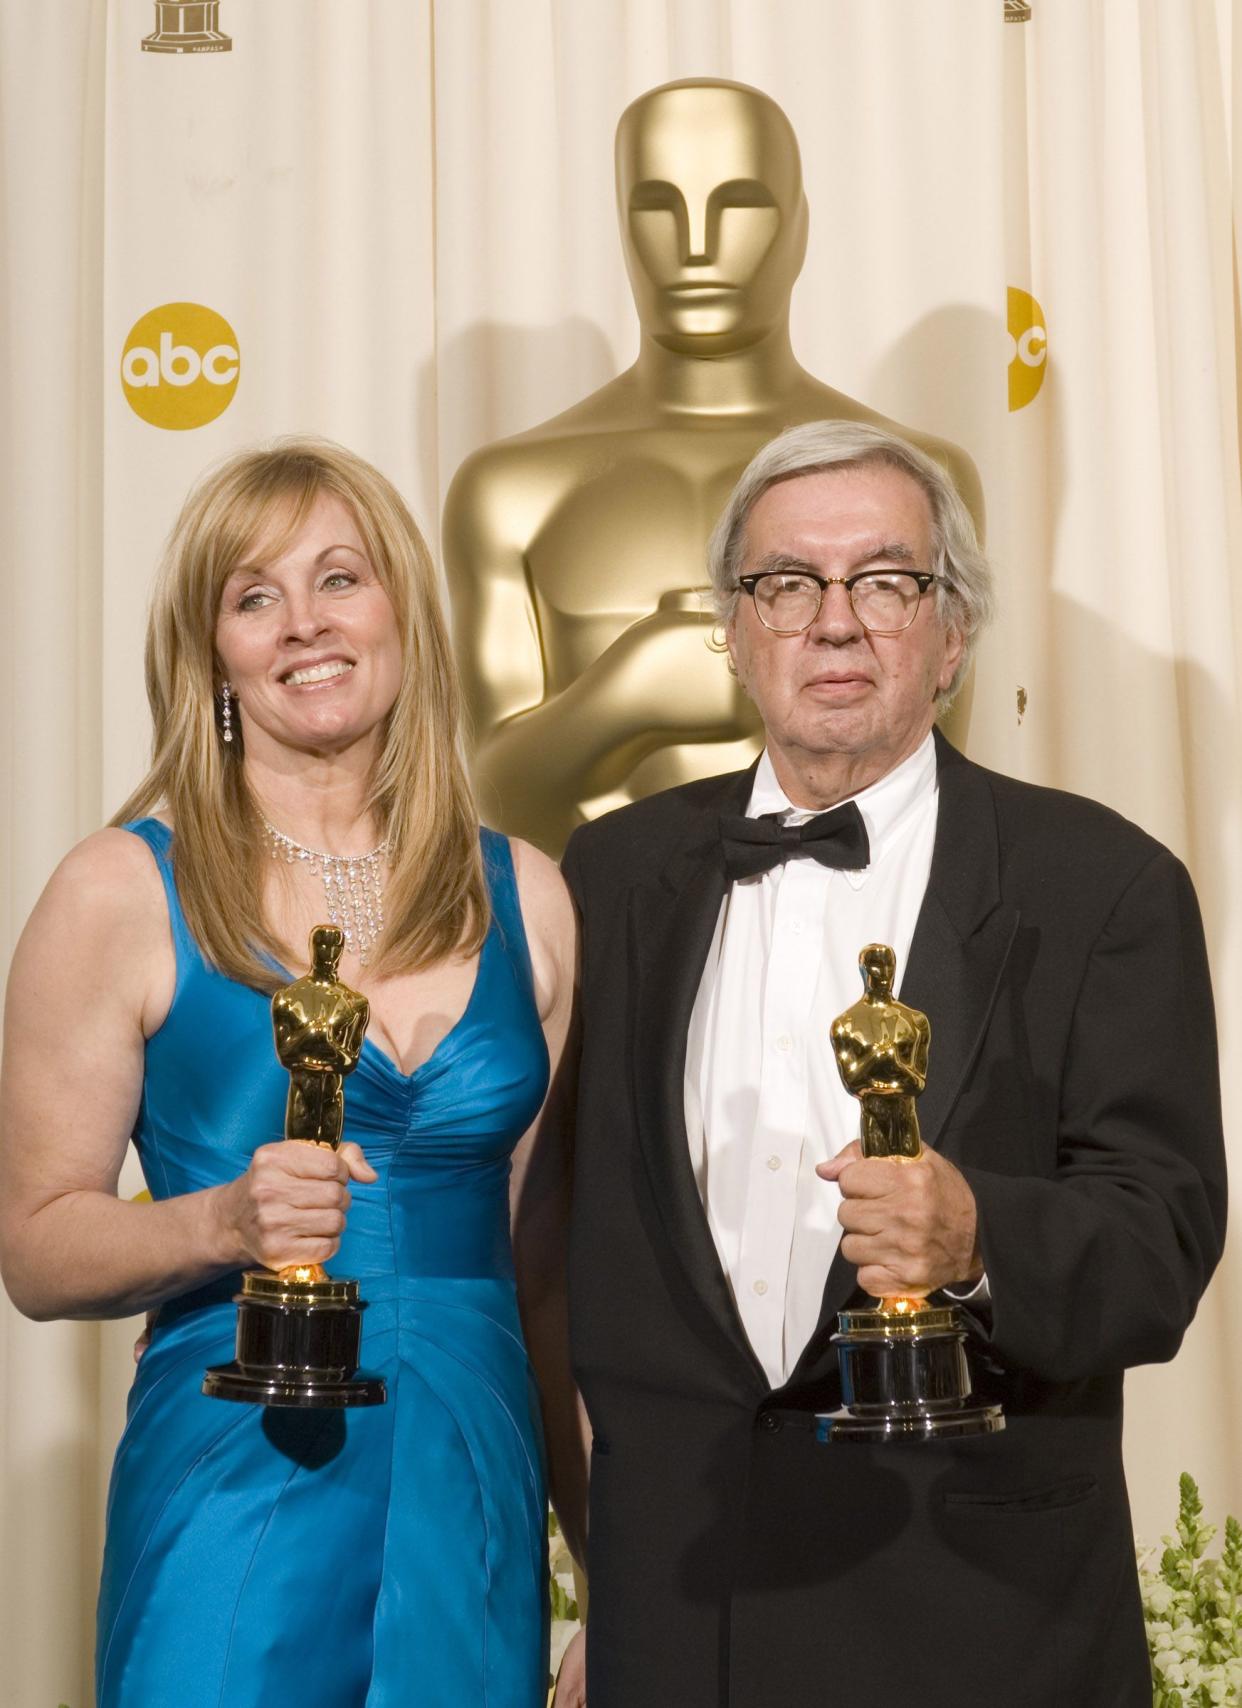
x=391 y=1556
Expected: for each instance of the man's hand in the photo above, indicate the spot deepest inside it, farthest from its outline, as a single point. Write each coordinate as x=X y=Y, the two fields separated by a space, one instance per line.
x=571 y=1676
x=910 y=1226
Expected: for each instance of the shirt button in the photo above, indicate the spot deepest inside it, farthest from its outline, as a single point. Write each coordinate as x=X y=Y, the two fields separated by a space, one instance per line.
x=795 y=925
x=761 y=1288
x=774 y=1162
x=784 y=1043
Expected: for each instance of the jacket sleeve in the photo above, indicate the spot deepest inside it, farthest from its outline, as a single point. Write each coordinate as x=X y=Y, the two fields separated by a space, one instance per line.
x=1101 y=1265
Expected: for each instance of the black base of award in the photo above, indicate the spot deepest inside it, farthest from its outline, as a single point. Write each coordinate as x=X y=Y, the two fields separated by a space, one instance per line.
x=297 y=1345
x=904 y=1377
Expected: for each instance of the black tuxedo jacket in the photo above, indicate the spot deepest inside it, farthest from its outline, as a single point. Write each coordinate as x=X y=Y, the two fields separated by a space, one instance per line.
x=733 y=1559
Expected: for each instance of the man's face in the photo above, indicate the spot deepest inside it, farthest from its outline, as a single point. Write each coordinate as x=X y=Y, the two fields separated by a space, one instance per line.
x=837 y=689
x=712 y=216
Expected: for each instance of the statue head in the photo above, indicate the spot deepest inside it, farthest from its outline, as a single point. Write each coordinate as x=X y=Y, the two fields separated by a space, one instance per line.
x=878 y=965
x=713 y=215
x=326 y=943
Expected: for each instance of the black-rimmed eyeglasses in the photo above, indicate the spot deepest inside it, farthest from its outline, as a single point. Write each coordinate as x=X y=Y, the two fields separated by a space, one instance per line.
x=885 y=601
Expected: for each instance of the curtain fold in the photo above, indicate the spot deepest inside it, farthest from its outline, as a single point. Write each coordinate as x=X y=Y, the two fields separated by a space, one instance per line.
x=52 y=103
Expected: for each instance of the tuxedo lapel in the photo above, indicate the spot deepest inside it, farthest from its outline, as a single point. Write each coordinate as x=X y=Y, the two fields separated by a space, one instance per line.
x=960 y=946
x=672 y=919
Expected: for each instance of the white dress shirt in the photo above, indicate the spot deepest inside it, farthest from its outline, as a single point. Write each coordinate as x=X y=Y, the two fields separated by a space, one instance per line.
x=764 y=1102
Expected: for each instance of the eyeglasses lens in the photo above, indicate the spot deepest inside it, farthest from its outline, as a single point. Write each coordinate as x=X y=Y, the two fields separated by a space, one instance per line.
x=883 y=603
x=787 y=602
x=886 y=603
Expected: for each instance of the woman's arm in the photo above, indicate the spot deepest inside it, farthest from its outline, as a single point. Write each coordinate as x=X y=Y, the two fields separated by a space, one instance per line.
x=92 y=978
x=540 y=1192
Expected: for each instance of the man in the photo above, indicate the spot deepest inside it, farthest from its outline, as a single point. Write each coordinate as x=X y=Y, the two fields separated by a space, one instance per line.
x=1072 y=1190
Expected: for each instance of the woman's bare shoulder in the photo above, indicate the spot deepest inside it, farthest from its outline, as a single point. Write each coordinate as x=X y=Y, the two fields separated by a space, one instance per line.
x=111 y=868
x=105 y=894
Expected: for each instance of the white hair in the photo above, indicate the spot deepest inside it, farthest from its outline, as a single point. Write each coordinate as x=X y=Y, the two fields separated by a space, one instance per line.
x=965 y=596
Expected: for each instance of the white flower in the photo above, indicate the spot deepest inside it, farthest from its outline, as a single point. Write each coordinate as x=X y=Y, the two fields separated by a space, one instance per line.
x=1159 y=1597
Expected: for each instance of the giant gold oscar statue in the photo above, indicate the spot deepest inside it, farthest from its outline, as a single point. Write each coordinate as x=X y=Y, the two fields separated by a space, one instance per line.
x=575 y=551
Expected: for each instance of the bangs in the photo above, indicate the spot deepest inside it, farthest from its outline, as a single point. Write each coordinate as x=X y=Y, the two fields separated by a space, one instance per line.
x=259 y=521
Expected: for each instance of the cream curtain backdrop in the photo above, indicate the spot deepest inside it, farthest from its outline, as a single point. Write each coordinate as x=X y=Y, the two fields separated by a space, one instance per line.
x=403 y=210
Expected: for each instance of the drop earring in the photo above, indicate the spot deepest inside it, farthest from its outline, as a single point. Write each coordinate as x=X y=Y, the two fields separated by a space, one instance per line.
x=226 y=711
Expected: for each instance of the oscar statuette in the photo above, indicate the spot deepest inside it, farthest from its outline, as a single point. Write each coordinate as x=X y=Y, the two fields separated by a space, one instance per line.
x=298 y=1329
x=904 y=1374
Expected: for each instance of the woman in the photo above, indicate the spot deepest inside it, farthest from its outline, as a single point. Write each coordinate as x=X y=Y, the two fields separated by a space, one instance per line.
x=305 y=711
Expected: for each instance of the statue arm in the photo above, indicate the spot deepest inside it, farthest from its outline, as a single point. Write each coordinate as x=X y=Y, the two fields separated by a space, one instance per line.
x=290 y=1028
x=537 y=754
x=357 y=1032
x=853 y=1063
x=340 y=1047
x=860 y=1061
x=296 y=1032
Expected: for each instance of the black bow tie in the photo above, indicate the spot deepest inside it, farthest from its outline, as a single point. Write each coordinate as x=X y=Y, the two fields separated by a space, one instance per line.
x=753 y=845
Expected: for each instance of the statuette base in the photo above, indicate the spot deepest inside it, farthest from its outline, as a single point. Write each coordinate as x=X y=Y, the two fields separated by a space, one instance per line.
x=297 y=1345
x=905 y=1378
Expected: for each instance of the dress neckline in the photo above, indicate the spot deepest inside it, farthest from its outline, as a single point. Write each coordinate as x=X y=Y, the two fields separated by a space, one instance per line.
x=370 y=1048
x=377 y=1050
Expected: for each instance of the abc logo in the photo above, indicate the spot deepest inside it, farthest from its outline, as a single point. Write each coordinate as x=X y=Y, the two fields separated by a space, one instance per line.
x=1028 y=348
x=180 y=365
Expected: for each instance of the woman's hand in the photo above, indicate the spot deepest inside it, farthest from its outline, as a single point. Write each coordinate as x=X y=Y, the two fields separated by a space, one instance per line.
x=289 y=1207
x=571 y=1679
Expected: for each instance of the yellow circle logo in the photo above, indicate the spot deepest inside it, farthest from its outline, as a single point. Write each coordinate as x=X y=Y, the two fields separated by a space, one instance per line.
x=180 y=365
x=1028 y=348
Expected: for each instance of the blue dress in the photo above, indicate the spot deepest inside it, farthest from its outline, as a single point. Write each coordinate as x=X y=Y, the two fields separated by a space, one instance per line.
x=392 y=1556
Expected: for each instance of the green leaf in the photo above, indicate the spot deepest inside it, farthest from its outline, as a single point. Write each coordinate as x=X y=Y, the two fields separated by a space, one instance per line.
x=562 y=1602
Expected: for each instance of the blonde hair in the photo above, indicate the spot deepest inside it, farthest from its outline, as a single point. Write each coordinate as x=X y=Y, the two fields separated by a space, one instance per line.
x=436 y=899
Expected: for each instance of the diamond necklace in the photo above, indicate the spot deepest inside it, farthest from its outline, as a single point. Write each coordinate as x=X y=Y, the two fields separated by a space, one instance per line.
x=352 y=885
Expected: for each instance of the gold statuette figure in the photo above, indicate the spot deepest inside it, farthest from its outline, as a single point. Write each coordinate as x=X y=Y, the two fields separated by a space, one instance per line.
x=881 y=1049
x=319 y=1024
x=576 y=551
x=903 y=1363
x=299 y=1330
